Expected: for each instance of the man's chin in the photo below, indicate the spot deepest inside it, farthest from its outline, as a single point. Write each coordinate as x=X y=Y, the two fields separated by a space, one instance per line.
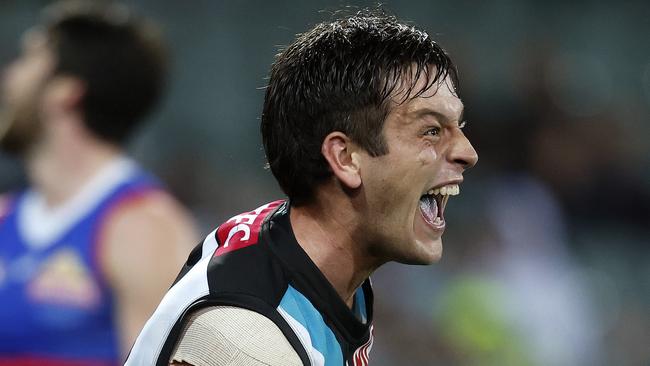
x=13 y=140
x=424 y=253
x=432 y=252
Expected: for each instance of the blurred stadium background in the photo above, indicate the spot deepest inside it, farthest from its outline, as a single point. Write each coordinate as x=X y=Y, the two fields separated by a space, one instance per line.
x=547 y=251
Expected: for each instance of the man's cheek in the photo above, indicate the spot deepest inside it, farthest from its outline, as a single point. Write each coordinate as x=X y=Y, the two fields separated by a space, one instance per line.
x=428 y=156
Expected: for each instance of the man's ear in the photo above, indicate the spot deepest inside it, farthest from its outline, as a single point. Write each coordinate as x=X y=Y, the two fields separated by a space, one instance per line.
x=342 y=156
x=63 y=95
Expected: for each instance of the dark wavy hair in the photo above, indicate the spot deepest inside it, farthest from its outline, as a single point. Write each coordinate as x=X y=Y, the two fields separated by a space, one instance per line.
x=341 y=76
x=120 y=58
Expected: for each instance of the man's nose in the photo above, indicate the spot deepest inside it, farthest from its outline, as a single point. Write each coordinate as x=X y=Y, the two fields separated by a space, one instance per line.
x=462 y=152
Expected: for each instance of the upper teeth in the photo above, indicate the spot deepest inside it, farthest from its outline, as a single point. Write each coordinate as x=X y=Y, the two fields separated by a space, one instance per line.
x=448 y=190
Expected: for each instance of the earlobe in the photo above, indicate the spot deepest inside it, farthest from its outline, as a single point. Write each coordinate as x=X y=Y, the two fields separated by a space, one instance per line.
x=342 y=157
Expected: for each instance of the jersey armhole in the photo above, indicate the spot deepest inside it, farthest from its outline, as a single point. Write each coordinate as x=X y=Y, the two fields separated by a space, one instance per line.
x=214 y=334
x=237 y=300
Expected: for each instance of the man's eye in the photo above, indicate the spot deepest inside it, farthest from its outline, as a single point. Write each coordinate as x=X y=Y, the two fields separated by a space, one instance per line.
x=433 y=131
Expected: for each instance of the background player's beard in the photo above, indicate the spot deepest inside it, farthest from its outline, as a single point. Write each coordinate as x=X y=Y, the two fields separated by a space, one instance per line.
x=19 y=128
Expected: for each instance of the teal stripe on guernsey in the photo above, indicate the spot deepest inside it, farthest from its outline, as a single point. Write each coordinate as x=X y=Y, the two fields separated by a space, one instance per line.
x=360 y=306
x=296 y=305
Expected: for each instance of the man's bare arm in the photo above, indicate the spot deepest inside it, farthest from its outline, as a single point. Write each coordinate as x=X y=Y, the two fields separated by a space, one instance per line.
x=144 y=244
x=230 y=336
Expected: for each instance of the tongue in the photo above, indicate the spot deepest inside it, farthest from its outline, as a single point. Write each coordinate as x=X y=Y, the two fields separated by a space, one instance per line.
x=429 y=208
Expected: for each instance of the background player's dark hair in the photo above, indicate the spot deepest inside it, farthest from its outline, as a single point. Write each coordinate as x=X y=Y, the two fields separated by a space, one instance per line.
x=119 y=57
x=341 y=76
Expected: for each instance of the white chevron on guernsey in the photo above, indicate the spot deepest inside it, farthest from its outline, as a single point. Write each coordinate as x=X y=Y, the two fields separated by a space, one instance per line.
x=315 y=357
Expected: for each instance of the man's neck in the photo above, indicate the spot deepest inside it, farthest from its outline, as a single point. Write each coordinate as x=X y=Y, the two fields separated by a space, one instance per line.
x=59 y=173
x=326 y=232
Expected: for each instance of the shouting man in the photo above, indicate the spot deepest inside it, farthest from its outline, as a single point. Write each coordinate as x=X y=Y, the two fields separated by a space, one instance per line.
x=362 y=128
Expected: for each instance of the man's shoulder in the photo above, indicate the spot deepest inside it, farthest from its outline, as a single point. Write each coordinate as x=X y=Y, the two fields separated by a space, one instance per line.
x=243 y=230
x=149 y=213
x=236 y=333
x=150 y=225
x=237 y=263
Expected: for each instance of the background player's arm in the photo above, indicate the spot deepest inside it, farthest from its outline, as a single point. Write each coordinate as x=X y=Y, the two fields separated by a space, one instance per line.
x=143 y=246
x=4 y=205
x=230 y=336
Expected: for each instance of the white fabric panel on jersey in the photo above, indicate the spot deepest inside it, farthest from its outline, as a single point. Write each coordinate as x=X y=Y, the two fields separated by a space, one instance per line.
x=232 y=336
x=191 y=287
x=315 y=357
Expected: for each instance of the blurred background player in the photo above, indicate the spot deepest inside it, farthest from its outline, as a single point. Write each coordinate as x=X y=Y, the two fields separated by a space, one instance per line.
x=88 y=249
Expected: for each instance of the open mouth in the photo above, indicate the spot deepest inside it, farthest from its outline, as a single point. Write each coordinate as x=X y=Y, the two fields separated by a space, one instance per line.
x=433 y=203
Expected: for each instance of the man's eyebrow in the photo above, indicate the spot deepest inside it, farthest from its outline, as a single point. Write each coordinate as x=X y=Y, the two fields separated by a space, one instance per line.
x=442 y=117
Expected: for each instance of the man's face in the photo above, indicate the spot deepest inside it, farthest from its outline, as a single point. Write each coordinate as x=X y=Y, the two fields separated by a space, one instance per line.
x=427 y=153
x=22 y=87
